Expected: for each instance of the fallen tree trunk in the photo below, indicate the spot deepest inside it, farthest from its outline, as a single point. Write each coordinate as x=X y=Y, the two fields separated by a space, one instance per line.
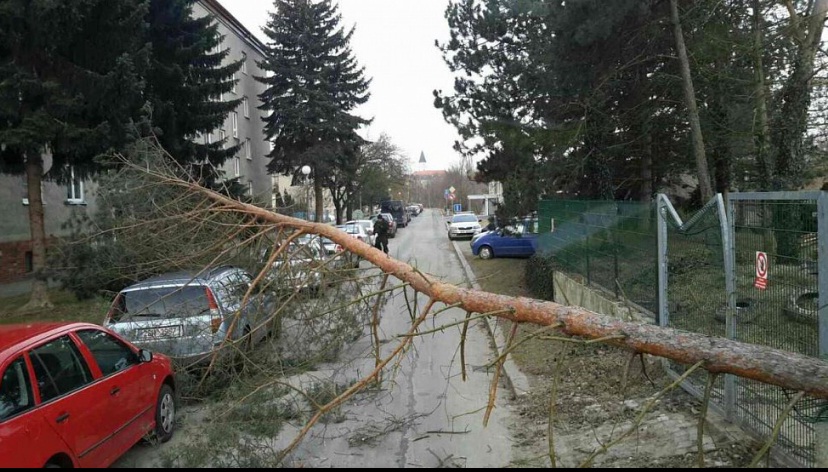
x=784 y=369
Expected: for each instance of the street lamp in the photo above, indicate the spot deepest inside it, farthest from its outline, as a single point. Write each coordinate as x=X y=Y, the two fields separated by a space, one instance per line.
x=306 y=170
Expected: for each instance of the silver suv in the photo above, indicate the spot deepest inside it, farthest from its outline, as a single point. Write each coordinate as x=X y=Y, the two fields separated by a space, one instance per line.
x=187 y=315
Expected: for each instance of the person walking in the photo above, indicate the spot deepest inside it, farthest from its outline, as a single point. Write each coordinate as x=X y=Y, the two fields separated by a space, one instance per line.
x=381 y=228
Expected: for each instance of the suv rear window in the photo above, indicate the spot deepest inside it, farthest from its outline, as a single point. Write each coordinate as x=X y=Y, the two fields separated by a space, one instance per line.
x=166 y=302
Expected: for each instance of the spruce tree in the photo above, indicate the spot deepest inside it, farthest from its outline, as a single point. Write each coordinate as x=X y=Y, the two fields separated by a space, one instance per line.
x=186 y=83
x=314 y=86
x=70 y=87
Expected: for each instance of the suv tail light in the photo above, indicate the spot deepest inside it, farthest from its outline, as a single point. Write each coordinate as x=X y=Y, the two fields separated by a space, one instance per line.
x=215 y=320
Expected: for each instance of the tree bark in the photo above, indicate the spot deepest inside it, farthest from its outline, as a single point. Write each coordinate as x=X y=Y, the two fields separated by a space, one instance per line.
x=39 y=297
x=318 y=199
x=782 y=368
x=761 y=125
x=338 y=210
x=697 y=138
x=349 y=203
x=646 y=170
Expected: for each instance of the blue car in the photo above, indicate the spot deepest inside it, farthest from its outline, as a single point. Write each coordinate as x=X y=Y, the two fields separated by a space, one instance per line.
x=512 y=241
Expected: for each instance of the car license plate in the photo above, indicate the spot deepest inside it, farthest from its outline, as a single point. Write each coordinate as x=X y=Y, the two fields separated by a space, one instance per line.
x=162 y=332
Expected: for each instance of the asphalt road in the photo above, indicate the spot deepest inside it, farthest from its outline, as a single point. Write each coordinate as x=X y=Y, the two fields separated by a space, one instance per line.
x=425 y=415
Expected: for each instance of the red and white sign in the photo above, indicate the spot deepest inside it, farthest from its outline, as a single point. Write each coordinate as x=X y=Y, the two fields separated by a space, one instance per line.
x=761 y=281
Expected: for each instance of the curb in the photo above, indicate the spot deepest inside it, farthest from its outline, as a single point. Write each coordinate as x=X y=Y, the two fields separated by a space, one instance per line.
x=516 y=381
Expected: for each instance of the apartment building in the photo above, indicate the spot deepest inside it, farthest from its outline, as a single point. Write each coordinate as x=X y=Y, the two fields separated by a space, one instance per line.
x=243 y=126
x=60 y=201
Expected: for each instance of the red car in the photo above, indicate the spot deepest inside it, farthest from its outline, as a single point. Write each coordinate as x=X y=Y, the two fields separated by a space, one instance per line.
x=78 y=395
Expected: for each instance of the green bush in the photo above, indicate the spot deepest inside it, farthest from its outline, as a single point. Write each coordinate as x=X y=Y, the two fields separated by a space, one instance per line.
x=539 y=270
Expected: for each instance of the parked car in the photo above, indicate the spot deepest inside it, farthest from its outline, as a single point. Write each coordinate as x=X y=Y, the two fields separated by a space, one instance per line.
x=392 y=224
x=337 y=257
x=368 y=226
x=357 y=231
x=463 y=225
x=188 y=315
x=490 y=226
x=77 y=395
x=397 y=210
x=516 y=240
x=300 y=266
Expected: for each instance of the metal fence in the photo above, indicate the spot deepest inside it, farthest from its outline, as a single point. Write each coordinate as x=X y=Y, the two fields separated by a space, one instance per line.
x=749 y=270
x=777 y=234
x=611 y=245
x=699 y=273
x=693 y=283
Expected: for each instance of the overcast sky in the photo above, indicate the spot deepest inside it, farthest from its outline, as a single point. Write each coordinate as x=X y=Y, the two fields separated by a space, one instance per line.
x=394 y=41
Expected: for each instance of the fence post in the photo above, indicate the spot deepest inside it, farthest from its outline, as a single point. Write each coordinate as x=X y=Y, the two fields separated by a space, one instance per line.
x=588 y=250
x=662 y=261
x=728 y=225
x=616 y=282
x=821 y=428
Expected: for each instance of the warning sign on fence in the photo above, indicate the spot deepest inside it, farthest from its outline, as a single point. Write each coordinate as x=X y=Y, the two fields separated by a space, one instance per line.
x=761 y=281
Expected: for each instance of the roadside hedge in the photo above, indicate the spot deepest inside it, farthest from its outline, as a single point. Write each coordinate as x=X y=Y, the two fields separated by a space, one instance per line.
x=538 y=276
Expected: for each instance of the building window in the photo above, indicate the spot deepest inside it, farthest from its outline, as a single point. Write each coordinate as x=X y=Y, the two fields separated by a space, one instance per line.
x=208 y=138
x=246 y=107
x=222 y=137
x=28 y=261
x=244 y=63
x=235 y=118
x=237 y=166
x=249 y=188
x=247 y=153
x=74 y=189
x=234 y=83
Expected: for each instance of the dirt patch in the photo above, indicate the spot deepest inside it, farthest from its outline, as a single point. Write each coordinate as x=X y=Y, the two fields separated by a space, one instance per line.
x=601 y=394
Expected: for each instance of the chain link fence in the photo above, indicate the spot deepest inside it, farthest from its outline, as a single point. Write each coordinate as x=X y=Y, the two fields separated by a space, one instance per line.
x=775 y=238
x=701 y=272
x=695 y=296
x=610 y=245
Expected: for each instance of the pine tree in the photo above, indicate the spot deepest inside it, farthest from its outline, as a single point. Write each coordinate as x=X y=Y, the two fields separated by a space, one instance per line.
x=314 y=87
x=70 y=87
x=186 y=85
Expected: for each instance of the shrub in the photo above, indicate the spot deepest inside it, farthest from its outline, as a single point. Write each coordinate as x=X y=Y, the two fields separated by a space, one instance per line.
x=539 y=270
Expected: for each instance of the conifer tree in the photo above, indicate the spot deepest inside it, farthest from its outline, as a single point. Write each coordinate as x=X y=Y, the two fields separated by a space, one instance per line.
x=314 y=86
x=187 y=85
x=70 y=86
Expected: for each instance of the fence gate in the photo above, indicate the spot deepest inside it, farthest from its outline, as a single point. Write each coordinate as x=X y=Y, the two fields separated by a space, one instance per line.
x=752 y=270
